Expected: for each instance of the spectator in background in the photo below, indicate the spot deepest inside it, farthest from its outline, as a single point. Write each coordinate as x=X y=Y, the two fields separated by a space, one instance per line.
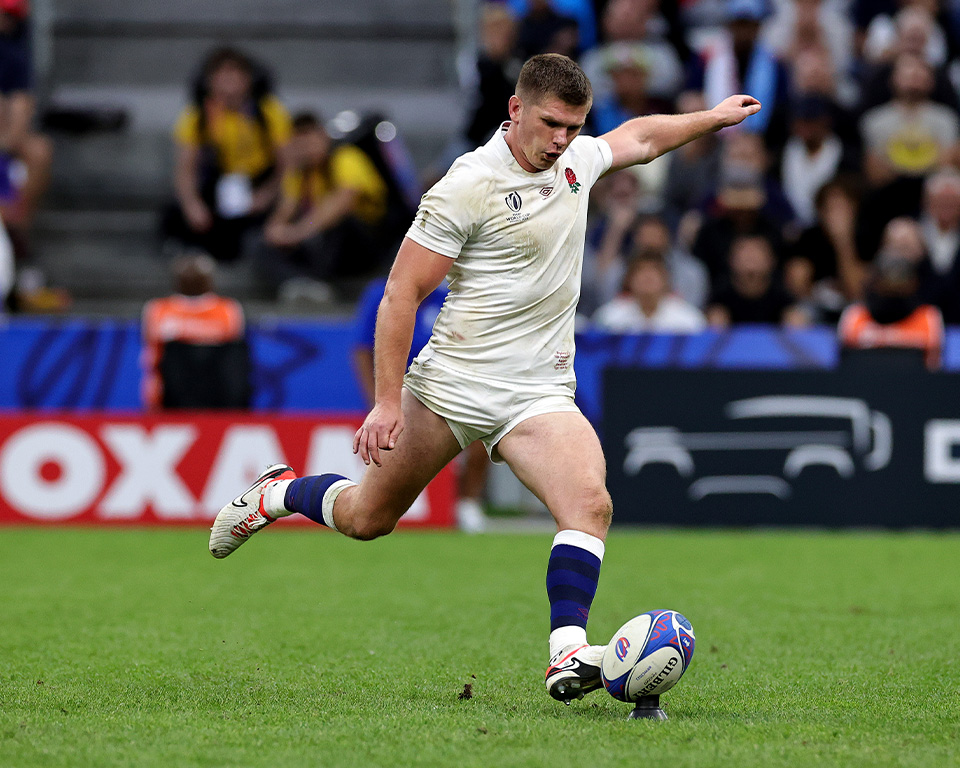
x=495 y=73
x=627 y=67
x=892 y=315
x=630 y=23
x=194 y=353
x=812 y=74
x=804 y=24
x=615 y=203
x=579 y=11
x=747 y=152
x=474 y=464
x=823 y=270
x=908 y=137
x=227 y=168
x=689 y=278
x=624 y=233
x=739 y=62
x=543 y=29
x=647 y=305
x=940 y=227
x=752 y=293
x=25 y=156
x=813 y=155
x=915 y=29
x=912 y=28
x=738 y=209
x=326 y=225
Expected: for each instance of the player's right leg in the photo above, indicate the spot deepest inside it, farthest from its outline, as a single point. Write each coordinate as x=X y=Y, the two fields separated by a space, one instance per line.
x=361 y=511
x=559 y=458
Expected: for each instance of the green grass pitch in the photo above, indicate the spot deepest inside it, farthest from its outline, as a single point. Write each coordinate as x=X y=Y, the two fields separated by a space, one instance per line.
x=136 y=648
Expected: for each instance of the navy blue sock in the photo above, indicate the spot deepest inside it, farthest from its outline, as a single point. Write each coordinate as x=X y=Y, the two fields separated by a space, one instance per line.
x=305 y=495
x=572 y=575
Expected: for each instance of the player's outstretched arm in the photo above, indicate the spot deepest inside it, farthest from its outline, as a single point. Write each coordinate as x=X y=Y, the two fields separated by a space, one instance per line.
x=416 y=272
x=644 y=138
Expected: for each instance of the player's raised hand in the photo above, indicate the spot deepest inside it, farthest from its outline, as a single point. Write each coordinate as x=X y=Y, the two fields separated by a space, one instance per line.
x=379 y=432
x=733 y=110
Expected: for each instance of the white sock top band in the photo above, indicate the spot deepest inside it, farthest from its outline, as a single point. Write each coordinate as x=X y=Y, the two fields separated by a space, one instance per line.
x=592 y=544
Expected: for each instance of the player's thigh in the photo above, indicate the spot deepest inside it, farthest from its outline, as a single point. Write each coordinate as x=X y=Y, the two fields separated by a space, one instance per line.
x=558 y=457
x=425 y=446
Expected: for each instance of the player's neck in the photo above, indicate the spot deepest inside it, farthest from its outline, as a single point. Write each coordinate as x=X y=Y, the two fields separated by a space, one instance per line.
x=513 y=145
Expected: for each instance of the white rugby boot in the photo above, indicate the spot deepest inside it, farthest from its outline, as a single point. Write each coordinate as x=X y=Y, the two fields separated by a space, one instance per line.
x=574 y=671
x=244 y=516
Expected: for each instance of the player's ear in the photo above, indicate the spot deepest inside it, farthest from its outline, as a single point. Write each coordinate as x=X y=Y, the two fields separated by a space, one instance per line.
x=515 y=107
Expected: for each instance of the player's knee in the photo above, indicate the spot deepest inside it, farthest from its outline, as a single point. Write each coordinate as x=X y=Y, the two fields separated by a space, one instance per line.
x=599 y=507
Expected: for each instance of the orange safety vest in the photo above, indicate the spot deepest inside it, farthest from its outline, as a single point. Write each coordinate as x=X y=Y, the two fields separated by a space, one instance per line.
x=206 y=319
x=922 y=329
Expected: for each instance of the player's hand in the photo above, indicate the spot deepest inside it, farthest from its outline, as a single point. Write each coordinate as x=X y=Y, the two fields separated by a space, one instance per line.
x=733 y=110
x=379 y=432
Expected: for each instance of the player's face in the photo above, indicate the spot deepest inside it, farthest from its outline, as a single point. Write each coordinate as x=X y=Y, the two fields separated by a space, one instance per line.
x=545 y=129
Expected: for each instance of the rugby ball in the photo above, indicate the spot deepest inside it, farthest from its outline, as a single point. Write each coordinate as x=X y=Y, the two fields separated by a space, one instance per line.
x=648 y=655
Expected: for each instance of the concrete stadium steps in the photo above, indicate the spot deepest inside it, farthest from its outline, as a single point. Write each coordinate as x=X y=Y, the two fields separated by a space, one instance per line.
x=116 y=254
x=126 y=171
x=134 y=167
x=365 y=12
x=98 y=236
x=402 y=63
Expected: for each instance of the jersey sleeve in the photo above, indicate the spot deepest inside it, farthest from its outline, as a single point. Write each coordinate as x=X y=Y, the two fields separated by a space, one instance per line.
x=448 y=213
x=598 y=157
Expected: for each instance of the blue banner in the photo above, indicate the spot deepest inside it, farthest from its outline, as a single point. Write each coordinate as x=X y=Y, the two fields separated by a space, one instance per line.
x=304 y=365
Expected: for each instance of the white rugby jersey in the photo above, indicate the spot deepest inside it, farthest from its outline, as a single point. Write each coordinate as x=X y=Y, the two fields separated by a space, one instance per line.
x=517 y=238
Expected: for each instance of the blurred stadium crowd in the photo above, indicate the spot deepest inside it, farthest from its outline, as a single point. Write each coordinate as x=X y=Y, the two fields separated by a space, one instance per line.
x=848 y=175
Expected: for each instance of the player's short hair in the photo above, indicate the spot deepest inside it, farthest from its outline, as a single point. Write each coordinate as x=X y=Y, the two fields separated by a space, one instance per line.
x=552 y=74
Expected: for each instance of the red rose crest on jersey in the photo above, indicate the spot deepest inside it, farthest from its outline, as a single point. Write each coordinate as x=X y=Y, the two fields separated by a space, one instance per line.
x=572 y=180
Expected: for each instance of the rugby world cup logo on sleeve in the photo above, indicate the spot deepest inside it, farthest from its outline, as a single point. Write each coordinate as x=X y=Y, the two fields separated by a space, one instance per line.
x=623 y=645
x=572 y=180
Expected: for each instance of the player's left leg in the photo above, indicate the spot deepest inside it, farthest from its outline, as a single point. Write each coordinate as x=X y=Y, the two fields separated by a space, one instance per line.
x=559 y=458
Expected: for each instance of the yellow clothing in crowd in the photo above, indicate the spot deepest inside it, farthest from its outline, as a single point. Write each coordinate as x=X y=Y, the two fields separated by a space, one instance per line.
x=237 y=137
x=349 y=168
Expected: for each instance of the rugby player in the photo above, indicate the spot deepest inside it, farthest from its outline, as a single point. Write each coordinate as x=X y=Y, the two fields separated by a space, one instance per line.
x=506 y=228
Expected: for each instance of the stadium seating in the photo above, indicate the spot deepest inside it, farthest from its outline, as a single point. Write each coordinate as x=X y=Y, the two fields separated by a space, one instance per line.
x=97 y=236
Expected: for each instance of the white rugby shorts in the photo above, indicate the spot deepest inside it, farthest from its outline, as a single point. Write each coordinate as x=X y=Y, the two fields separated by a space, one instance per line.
x=479 y=408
